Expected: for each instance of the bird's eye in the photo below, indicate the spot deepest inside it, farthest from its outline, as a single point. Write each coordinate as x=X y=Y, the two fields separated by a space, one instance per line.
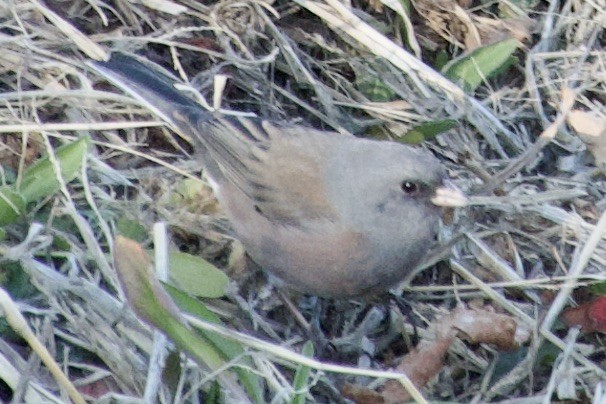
x=410 y=187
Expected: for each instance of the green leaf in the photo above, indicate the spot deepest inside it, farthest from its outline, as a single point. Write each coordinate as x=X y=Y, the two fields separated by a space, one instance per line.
x=407 y=6
x=441 y=60
x=228 y=349
x=482 y=63
x=187 y=189
x=191 y=305
x=598 y=289
x=547 y=354
x=214 y=395
x=60 y=243
x=374 y=89
x=16 y=281
x=427 y=131
x=153 y=304
x=132 y=229
x=40 y=179
x=196 y=276
x=302 y=376
x=12 y=205
x=172 y=371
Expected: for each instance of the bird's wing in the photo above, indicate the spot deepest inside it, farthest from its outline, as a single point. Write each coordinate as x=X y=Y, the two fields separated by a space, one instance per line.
x=277 y=168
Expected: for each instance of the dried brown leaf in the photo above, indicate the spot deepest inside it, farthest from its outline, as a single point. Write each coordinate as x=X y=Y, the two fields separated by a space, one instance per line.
x=591 y=128
x=421 y=365
x=466 y=29
x=483 y=325
x=590 y=316
x=361 y=395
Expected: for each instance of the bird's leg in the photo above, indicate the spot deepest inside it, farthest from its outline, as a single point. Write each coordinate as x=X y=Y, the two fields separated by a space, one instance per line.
x=312 y=329
x=405 y=310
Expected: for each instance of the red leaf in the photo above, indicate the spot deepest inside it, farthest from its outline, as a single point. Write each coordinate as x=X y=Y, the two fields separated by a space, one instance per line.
x=590 y=316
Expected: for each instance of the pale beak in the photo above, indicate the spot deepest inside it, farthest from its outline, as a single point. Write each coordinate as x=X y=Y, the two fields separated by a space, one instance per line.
x=449 y=195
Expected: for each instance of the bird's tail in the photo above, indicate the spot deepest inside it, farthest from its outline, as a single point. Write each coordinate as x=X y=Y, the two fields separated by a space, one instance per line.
x=223 y=144
x=155 y=88
x=151 y=85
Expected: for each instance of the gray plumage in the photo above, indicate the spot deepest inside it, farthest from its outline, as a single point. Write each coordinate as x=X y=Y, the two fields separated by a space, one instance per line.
x=330 y=215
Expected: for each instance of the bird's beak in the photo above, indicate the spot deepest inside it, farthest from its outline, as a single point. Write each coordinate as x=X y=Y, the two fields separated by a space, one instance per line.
x=448 y=195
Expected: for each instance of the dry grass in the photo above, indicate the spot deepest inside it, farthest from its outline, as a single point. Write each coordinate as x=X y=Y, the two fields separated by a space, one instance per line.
x=531 y=244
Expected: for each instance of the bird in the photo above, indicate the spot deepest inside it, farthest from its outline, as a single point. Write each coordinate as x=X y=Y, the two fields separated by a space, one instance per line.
x=328 y=214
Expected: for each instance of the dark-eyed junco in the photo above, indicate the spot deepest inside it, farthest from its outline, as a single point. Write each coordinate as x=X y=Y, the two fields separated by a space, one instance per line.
x=329 y=214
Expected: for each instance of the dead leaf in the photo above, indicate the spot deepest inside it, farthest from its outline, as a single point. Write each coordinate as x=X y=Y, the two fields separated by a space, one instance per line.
x=376 y=6
x=495 y=30
x=475 y=323
x=483 y=325
x=590 y=316
x=463 y=28
x=361 y=395
x=591 y=128
x=421 y=365
x=440 y=17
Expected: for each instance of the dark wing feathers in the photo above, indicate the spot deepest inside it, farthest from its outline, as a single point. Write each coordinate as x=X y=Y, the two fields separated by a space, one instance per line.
x=280 y=173
x=276 y=167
